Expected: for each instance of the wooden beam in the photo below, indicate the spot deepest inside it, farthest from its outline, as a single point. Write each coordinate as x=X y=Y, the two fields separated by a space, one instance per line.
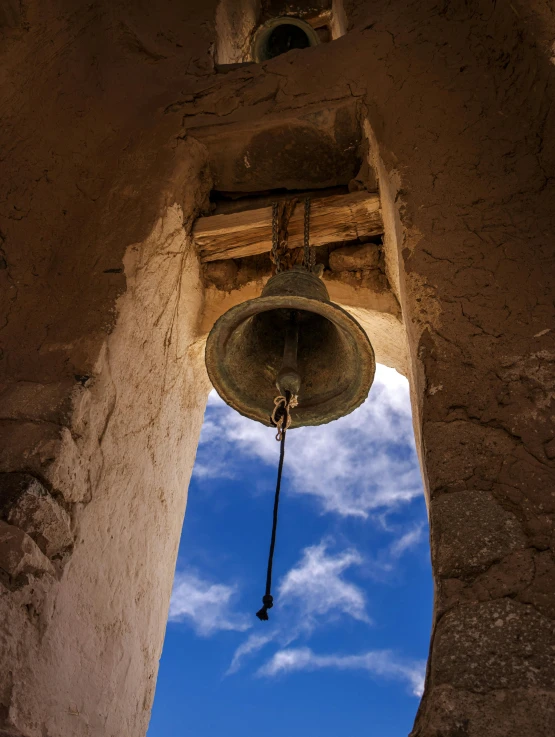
x=239 y=234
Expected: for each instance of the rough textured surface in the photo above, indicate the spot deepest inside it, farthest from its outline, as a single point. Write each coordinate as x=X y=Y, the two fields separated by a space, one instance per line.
x=221 y=273
x=19 y=554
x=492 y=646
x=314 y=146
x=25 y=503
x=473 y=531
x=114 y=121
x=354 y=258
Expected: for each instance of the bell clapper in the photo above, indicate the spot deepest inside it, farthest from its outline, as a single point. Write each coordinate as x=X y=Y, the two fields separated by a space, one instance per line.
x=288 y=378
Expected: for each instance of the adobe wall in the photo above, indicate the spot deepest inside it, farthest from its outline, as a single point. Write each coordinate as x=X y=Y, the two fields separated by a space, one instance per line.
x=103 y=386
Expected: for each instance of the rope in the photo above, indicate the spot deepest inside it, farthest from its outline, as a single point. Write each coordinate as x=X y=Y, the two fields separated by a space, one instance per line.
x=268 y=599
x=282 y=420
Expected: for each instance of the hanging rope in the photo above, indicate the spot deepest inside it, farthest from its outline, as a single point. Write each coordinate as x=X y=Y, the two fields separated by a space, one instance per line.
x=281 y=418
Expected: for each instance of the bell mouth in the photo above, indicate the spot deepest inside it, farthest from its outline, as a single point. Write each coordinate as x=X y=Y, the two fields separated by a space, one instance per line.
x=336 y=361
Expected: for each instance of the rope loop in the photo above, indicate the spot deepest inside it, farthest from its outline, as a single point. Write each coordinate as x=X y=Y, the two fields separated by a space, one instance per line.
x=281 y=416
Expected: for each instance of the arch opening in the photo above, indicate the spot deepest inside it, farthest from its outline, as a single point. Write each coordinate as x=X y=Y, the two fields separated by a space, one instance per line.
x=232 y=281
x=340 y=530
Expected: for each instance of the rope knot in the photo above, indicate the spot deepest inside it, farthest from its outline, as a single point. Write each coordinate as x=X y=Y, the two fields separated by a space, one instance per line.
x=281 y=416
x=268 y=602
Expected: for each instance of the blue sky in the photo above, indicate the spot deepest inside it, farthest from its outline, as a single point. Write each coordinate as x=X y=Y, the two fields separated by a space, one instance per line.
x=347 y=639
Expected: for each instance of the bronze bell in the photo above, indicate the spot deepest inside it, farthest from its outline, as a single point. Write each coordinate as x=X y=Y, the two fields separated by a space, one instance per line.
x=291 y=339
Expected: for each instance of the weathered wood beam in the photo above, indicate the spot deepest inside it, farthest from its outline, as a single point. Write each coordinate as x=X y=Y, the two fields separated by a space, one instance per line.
x=239 y=234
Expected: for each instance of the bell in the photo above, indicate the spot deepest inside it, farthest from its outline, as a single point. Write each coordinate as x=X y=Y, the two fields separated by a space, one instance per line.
x=291 y=339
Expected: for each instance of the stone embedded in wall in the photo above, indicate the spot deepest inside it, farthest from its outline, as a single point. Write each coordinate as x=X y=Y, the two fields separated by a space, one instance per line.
x=463 y=453
x=494 y=645
x=222 y=274
x=513 y=576
x=374 y=283
x=355 y=258
x=26 y=504
x=455 y=713
x=549 y=448
x=19 y=554
x=471 y=531
x=539 y=593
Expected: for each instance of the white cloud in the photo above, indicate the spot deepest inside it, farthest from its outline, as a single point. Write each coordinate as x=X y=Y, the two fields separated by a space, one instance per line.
x=362 y=463
x=205 y=606
x=409 y=540
x=317 y=588
x=252 y=644
x=379 y=663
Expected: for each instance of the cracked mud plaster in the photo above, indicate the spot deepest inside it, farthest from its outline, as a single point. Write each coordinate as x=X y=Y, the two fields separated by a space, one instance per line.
x=97 y=143
x=124 y=477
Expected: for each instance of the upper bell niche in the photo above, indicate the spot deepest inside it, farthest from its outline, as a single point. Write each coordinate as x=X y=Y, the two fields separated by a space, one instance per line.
x=317 y=147
x=260 y=30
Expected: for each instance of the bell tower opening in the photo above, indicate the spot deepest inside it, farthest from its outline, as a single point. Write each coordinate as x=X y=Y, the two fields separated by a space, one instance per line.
x=352 y=551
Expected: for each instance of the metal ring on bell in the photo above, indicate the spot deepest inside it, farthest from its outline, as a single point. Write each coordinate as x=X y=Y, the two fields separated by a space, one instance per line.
x=335 y=359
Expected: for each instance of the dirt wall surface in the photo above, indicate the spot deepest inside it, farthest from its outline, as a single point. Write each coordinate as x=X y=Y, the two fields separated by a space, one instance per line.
x=103 y=171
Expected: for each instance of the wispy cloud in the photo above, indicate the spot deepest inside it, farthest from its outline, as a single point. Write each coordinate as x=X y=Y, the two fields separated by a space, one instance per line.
x=252 y=644
x=206 y=606
x=317 y=587
x=408 y=540
x=360 y=464
x=379 y=663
